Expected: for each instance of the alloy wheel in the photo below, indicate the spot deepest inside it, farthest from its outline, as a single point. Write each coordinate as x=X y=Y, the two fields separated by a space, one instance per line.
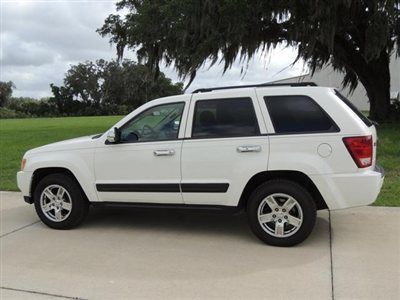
x=56 y=203
x=280 y=215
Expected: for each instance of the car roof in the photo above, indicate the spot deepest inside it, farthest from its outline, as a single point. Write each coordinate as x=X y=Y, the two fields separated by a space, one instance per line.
x=262 y=85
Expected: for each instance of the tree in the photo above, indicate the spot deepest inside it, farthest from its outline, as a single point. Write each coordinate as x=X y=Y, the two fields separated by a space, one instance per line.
x=131 y=84
x=6 y=89
x=63 y=100
x=84 y=81
x=113 y=87
x=356 y=37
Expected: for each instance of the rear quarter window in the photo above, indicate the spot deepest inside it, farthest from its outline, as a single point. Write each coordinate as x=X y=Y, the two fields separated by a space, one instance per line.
x=298 y=114
x=366 y=121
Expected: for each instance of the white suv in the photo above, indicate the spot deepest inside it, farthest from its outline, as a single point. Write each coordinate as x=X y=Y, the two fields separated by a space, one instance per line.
x=279 y=152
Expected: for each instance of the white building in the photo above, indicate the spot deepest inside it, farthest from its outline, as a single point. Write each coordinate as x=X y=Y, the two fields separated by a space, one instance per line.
x=328 y=77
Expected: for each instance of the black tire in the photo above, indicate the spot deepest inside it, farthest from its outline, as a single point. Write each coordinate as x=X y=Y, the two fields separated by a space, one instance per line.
x=79 y=203
x=290 y=188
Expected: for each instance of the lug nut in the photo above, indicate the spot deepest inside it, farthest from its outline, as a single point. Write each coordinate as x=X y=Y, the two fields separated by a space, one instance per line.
x=279 y=220
x=274 y=216
x=284 y=210
x=276 y=209
x=285 y=217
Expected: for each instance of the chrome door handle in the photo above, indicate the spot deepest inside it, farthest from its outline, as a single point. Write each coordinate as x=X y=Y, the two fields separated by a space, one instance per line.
x=249 y=148
x=164 y=152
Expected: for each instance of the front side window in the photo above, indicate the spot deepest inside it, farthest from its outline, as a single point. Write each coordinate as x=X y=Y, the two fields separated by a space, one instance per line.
x=224 y=118
x=155 y=124
x=298 y=114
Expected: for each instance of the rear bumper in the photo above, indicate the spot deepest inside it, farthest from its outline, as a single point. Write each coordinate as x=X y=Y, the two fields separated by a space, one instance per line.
x=350 y=190
x=380 y=170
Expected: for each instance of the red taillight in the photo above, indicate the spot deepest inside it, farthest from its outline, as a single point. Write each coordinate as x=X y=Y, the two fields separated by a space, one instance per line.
x=360 y=148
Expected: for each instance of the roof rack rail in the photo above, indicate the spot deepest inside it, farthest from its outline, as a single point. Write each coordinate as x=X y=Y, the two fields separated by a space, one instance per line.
x=291 y=84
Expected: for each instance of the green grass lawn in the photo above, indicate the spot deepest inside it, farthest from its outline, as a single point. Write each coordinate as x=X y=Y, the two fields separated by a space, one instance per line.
x=389 y=158
x=20 y=135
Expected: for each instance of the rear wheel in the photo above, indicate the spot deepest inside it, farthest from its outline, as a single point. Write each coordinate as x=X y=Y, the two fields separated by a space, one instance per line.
x=281 y=213
x=59 y=202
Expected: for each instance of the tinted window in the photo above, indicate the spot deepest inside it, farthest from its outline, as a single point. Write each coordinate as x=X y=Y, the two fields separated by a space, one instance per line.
x=298 y=114
x=224 y=118
x=354 y=109
x=155 y=124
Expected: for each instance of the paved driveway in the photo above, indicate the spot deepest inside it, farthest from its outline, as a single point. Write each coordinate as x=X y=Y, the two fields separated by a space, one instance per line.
x=122 y=253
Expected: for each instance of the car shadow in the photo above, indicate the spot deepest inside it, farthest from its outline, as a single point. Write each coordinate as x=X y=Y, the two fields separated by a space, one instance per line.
x=185 y=222
x=183 y=244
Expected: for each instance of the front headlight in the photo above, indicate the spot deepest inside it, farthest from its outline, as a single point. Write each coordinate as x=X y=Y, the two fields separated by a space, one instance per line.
x=23 y=163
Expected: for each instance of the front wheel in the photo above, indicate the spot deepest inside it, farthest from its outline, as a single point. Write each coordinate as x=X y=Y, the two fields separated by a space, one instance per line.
x=59 y=201
x=281 y=213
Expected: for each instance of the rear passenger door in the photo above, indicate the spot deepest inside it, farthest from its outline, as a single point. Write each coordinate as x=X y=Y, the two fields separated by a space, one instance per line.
x=305 y=138
x=225 y=145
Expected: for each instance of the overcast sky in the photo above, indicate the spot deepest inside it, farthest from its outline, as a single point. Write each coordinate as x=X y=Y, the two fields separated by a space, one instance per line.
x=40 y=39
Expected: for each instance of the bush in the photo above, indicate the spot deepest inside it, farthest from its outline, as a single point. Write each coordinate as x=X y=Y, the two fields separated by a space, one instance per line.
x=33 y=108
x=395 y=110
x=6 y=113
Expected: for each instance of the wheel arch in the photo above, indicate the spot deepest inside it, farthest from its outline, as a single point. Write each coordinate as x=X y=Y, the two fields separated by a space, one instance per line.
x=296 y=176
x=40 y=173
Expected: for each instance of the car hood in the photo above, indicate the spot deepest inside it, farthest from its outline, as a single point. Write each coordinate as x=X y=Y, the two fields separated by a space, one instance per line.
x=83 y=142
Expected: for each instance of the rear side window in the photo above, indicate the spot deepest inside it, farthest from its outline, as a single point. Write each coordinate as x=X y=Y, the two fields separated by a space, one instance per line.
x=354 y=109
x=224 y=118
x=298 y=114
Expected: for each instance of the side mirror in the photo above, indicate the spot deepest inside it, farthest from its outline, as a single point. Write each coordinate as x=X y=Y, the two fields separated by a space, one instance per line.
x=114 y=136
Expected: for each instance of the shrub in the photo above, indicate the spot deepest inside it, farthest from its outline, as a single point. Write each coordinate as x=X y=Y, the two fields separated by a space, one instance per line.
x=6 y=113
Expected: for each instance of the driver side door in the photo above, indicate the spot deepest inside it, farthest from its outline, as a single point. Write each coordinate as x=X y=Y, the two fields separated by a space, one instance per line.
x=145 y=165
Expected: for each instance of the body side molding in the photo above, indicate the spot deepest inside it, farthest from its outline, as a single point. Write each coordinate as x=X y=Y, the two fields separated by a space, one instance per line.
x=163 y=187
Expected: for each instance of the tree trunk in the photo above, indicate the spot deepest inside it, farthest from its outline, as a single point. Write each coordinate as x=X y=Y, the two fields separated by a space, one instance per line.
x=376 y=81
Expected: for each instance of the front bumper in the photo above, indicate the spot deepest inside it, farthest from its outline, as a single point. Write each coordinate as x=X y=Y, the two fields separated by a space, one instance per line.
x=24 y=179
x=350 y=190
x=28 y=199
